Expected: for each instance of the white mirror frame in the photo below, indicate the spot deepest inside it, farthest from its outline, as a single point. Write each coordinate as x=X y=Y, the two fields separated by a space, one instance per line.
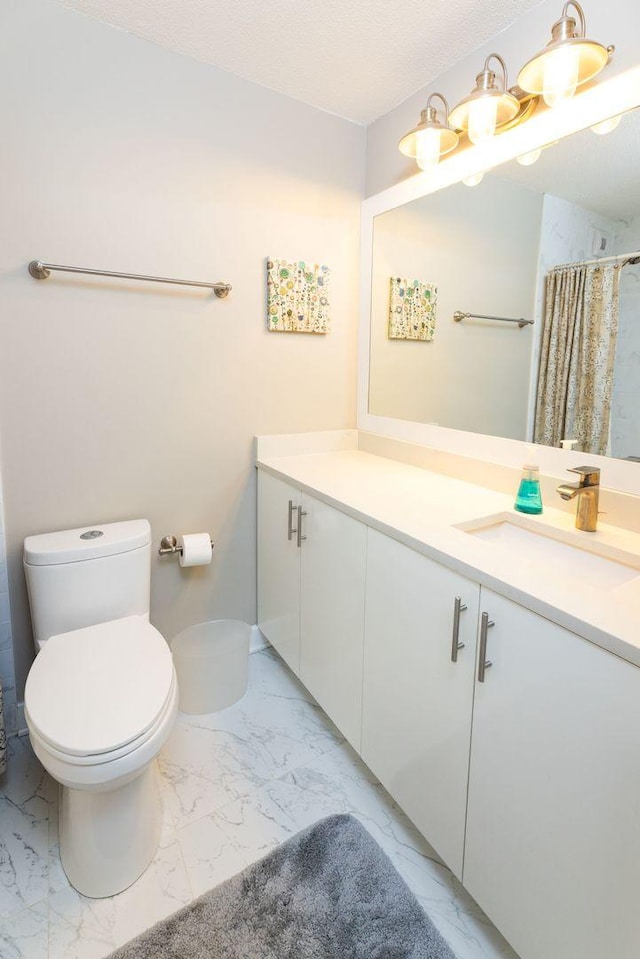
x=608 y=98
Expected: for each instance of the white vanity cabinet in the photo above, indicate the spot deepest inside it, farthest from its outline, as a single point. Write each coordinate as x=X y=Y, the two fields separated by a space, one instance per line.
x=333 y=565
x=419 y=670
x=311 y=579
x=553 y=824
x=526 y=779
x=279 y=567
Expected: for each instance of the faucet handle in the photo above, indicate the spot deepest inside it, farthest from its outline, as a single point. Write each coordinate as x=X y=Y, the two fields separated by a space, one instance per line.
x=589 y=475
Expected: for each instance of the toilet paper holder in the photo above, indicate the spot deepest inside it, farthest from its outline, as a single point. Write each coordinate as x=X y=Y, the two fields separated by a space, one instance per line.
x=169 y=546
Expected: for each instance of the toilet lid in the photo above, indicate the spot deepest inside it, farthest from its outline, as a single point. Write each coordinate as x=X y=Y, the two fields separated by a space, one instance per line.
x=93 y=690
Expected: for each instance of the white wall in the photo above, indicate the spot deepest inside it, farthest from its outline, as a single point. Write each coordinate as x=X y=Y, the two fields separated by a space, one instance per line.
x=617 y=22
x=443 y=239
x=120 y=400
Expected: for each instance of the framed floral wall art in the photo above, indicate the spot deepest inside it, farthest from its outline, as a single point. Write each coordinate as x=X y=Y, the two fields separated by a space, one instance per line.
x=412 y=309
x=297 y=296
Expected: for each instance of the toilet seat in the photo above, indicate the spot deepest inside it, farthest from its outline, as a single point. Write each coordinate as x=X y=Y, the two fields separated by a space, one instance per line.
x=94 y=759
x=96 y=694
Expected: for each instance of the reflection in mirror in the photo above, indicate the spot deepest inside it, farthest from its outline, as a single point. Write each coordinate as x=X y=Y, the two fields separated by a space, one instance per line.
x=495 y=250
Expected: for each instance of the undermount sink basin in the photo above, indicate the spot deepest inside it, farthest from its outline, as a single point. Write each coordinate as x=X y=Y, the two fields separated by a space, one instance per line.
x=558 y=551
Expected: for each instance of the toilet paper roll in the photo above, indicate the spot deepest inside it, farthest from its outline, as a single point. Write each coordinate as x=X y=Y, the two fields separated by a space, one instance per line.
x=196 y=549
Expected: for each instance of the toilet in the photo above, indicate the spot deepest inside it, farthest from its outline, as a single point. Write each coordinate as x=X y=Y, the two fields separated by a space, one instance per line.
x=101 y=697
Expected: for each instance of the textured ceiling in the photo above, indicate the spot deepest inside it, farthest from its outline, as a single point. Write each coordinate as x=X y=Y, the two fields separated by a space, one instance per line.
x=357 y=59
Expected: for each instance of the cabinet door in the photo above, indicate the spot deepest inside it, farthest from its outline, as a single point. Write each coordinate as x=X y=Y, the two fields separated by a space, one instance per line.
x=332 y=613
x=553 y=824
x=279 y=567
x=417 y=701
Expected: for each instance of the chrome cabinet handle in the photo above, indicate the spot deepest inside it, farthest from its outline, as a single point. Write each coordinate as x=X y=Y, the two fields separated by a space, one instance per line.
x=290 y=529
x=301 y=513
x=483 y=662
x=458 y=608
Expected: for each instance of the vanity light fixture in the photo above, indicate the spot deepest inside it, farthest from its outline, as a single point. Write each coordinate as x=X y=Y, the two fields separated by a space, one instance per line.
x=488 y=106
x=607 y=126
x=568 y=60
x=430 y=139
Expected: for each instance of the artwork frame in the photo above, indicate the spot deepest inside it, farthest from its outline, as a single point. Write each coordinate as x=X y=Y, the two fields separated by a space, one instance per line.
x=298 y=296
x=412 y=309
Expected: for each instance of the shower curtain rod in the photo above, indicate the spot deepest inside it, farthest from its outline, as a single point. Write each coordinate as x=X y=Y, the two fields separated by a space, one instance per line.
x=625 y=257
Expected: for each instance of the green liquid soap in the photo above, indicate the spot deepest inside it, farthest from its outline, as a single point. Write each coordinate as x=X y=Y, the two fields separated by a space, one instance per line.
x=529 y=499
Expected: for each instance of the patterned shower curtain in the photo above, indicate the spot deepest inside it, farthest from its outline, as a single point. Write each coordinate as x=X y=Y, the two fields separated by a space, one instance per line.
x=575 y=381
x=3 y=737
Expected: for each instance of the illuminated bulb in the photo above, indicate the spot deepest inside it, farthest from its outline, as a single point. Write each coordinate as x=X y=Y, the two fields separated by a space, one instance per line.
x=606 y=126
x=526 y=159
x=483 y=115
x=560 y=77
x=428 y=149
x=473 y=180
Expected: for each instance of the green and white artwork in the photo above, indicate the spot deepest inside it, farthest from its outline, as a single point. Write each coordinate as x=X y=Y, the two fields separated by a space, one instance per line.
x=297 y=296
x=412 y=309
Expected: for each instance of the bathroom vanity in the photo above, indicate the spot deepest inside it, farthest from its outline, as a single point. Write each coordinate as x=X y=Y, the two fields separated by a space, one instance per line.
x=484 y=665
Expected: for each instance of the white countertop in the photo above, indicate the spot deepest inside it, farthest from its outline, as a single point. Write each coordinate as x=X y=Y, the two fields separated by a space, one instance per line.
x=421 y=509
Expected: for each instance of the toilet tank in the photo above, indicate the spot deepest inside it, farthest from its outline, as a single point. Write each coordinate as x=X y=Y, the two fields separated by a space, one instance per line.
x=80 y=577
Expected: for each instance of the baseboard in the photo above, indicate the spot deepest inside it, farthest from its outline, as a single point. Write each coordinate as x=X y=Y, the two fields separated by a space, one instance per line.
x=257 y=641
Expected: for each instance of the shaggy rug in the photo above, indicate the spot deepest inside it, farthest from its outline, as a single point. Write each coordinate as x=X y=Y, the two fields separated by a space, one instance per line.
x=327 y=893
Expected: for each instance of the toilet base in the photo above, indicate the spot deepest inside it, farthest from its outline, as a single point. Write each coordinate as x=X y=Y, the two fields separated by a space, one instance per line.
x=107 y=839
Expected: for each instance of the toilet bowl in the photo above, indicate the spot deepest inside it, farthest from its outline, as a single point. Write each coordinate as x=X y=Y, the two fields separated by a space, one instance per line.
x=100 y=701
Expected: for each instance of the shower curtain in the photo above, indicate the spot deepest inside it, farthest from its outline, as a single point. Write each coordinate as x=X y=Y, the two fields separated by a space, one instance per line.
x=3 y=737
x=575 y=381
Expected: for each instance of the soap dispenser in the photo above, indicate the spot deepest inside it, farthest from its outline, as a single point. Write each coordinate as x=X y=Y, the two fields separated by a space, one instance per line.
x=529 y=499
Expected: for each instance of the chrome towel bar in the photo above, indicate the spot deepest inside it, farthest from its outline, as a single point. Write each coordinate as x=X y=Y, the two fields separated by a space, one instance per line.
x=459 y=315
x=40 y=271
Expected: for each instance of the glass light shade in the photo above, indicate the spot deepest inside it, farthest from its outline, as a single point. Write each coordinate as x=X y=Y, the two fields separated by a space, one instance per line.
x=560 y=75
x=561 y=67
x=483 y=118
x=427 y=148
x=607 y=126
x=482 y=113
x=527 y=159
x=429 y=141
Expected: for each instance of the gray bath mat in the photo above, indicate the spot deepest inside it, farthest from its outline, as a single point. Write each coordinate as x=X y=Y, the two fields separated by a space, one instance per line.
x=327 y=893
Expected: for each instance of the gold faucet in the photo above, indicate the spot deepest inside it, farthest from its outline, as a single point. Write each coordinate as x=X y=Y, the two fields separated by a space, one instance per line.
x=587 y=491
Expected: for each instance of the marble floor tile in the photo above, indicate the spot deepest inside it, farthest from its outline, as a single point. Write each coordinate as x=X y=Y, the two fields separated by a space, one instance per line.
x=25 y=782
x=23 y=856
x=285 y=725
x=210 y=854
x=26 y=935
x=27 y=797
x=205 y=767
x=234 y=784
x=81 y=928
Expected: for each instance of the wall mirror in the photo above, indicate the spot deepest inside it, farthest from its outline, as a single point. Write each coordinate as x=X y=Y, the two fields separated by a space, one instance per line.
x=487 y=250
